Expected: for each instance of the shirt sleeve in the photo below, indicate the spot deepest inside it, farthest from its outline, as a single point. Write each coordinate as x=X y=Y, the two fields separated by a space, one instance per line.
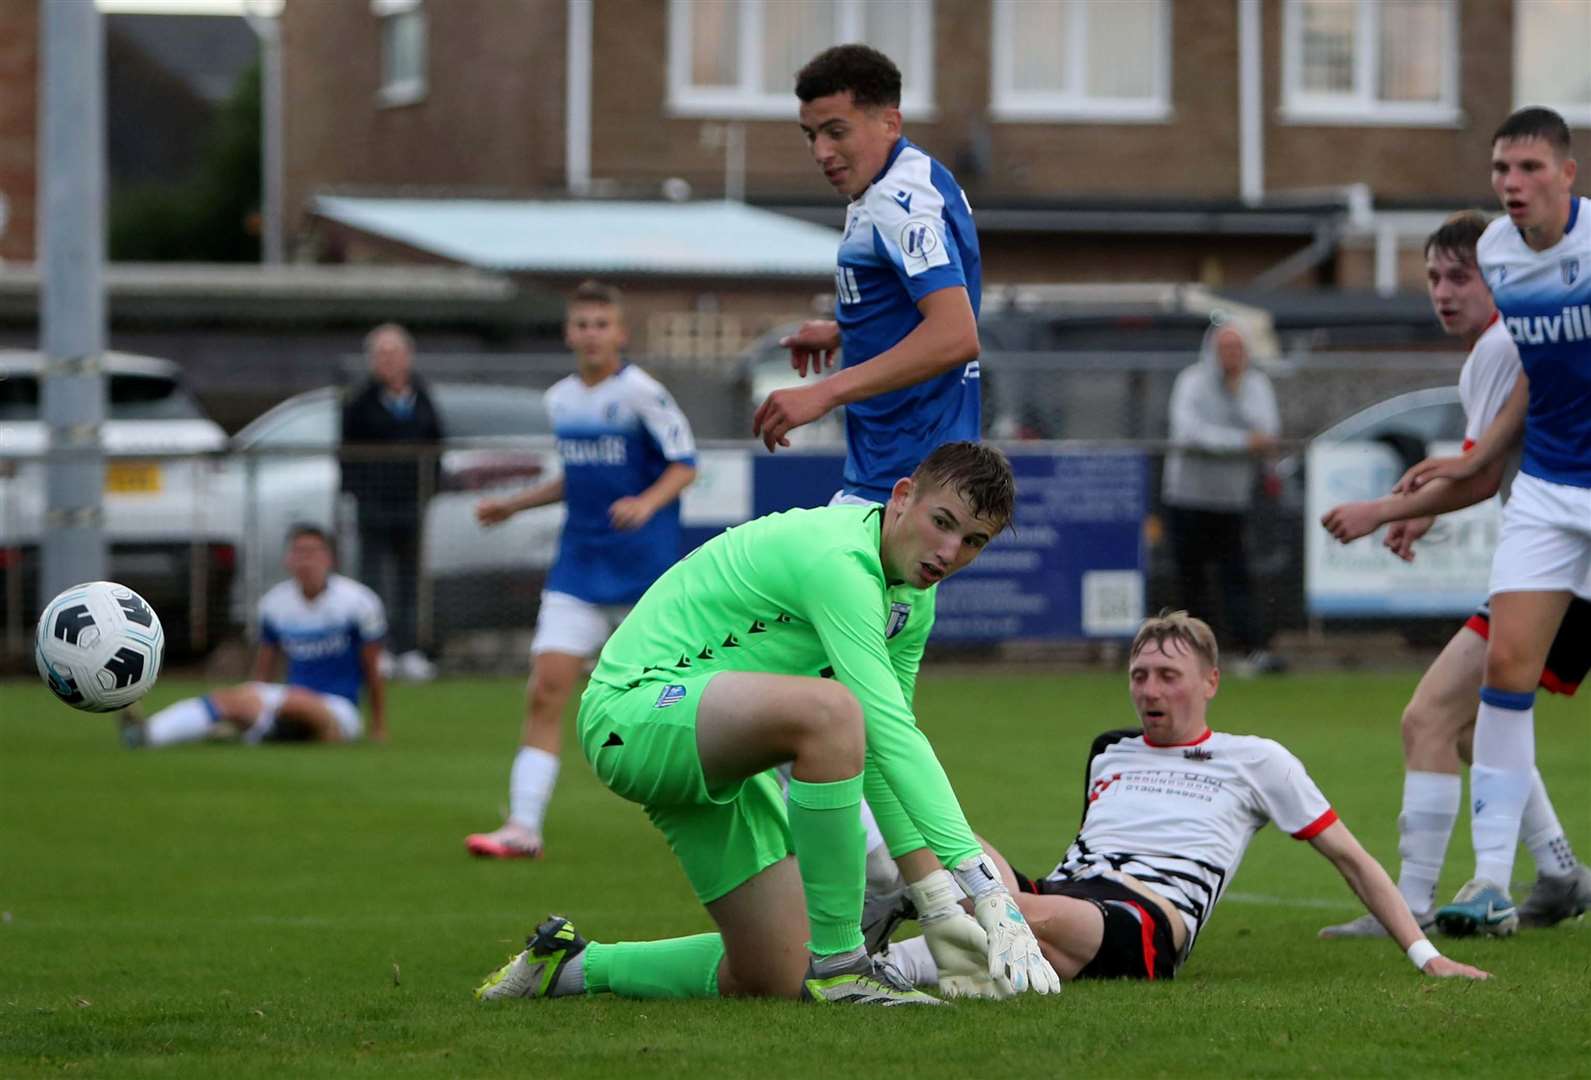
x=372 y=619
x=664 y=420
x=910 y=232
x=1288 y=796
x=903 y=781
x=1496 y=369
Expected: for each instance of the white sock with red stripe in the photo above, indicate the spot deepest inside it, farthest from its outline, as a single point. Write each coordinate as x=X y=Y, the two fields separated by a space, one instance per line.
x=1543 y=834
x=1430 y=808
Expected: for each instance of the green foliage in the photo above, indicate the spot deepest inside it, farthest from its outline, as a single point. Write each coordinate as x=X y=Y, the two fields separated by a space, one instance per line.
x=212 y=217
x=302 y=911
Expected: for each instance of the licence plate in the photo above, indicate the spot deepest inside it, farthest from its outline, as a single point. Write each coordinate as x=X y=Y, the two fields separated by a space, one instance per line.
x=132 y=478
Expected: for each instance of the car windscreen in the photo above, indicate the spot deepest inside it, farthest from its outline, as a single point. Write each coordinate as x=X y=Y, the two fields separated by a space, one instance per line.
x=476 y=412
x=132 y=397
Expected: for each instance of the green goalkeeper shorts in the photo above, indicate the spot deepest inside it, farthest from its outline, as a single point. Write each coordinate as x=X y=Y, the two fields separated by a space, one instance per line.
x=642 y=744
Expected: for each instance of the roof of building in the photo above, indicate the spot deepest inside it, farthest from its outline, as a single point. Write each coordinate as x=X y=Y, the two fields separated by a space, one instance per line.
x=697 y=239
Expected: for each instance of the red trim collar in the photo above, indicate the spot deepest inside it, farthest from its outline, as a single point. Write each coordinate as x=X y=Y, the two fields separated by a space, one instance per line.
x=1491 y=321
x=1169 y=745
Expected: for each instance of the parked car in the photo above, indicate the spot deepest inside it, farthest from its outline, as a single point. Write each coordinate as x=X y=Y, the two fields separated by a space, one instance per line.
x=498 y=439
x=168 y=535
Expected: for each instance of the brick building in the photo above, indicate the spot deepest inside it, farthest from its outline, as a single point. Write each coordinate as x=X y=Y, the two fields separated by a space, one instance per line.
x=19 y=120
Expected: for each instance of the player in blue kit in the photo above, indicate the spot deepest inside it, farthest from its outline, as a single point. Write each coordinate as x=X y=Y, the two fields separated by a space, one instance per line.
x=907 y=285
x=330 y=630
x=1537 y=260
x=627 y=453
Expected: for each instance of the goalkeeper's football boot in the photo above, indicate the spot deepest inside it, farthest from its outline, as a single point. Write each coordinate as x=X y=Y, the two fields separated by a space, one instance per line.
x=1368 y=926
x=1553 y=899
x=534 y=972
x=1481 y=907
x=861 y=981
x=511 y=841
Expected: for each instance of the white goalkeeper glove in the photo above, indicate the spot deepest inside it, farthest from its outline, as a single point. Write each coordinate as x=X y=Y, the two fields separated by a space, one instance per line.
x=1015 y=962
x=958 y=944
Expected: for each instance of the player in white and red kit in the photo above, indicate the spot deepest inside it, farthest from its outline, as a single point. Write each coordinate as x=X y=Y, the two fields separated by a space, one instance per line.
x=1439 y=720
x=1170 y=811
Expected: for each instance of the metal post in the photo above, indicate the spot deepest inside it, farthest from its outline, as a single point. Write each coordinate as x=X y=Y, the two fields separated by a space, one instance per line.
x=72 y=316
x=262 y=19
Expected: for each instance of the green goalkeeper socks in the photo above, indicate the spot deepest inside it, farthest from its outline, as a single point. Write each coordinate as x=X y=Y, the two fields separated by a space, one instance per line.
x=684 y=967
x=831 y=848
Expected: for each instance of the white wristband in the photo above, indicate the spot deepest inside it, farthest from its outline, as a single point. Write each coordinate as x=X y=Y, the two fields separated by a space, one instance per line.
x=1422 y=952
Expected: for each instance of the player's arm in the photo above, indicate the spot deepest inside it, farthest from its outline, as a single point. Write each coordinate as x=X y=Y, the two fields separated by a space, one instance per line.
x=1350 y=521
x=946 y=338
x=1505 y=430
x=370 y=665
x=668 y=427
x=267 y=662
x=633 y=511
x=493 y=511
x=1381 y=897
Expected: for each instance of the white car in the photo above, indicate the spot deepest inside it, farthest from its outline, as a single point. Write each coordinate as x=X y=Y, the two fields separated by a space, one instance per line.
x=170 y=531
x=498 y=440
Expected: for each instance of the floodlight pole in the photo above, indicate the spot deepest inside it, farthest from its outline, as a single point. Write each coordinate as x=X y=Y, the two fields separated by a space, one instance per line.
x=72 y=300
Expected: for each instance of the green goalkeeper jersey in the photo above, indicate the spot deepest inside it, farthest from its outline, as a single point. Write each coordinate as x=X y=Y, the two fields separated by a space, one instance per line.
x=803 y=593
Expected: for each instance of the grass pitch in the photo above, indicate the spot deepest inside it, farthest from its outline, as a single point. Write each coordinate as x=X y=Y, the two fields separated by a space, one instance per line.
x=299 y=911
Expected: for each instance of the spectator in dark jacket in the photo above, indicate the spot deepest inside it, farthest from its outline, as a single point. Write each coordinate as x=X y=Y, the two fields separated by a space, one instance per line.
x=391 y=438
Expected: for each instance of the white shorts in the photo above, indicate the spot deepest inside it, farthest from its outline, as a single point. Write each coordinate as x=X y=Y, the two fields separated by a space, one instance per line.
x=844 y=498
x=349 y=722
x=570 y=625
x=1546 y=539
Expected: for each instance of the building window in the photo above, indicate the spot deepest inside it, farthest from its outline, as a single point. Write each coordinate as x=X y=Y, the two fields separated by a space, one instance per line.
x=1370 y=61
x=402 y=51
x=740 y=57
x=1552 y=40
x=1082 y=60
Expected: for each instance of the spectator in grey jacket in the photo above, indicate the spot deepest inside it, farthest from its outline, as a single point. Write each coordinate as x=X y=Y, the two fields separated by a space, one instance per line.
x=1223 y=423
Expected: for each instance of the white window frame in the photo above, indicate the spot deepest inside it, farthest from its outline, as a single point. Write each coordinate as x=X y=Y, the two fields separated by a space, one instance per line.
x=747 y=100
x=1360 y=106
x=1574 y=113
x=401 y=91
x=1074 y=103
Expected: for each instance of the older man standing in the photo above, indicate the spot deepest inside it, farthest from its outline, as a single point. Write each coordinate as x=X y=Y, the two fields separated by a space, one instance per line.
x=390 y=411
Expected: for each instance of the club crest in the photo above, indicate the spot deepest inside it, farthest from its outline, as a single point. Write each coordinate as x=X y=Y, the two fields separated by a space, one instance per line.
x=1570 y=268
x=898 y=614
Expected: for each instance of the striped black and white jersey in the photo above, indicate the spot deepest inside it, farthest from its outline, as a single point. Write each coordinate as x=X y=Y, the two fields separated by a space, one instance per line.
x=1179 y=818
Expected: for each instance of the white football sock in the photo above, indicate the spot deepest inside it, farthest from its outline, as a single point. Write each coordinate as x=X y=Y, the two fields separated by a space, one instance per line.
x=1505 y=760
x=187 y=721
x=1543 y=834
x=870 y=823
x=912 y=962
x=1430 y=807
x=530 y=785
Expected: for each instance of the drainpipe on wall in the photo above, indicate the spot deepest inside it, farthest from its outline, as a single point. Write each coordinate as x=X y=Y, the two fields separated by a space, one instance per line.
x=1250 y=104
x=577 y=99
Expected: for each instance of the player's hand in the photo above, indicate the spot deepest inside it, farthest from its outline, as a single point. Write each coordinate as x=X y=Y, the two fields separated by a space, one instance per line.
x=1458 y=467
x=489 y=512
x=1015 y=961
x=786 y=410
x=1350 y=521
x=630 y=513
x=813 y=346
x=959 y=946
x=1440 y=967
x=1401 y=536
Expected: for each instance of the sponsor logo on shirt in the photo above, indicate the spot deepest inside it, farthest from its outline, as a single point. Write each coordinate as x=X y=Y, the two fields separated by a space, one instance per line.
x=904 y=199
x=1571 y=324
x=1197 y=753
x=898 y=614
x=672 y=694
x=602 y=450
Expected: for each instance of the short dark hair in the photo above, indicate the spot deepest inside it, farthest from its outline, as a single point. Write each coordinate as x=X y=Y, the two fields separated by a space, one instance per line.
x=1458 y=236
x=871 y=77
x=977 y=472
x=307 y=528
x=1536 y=122
x=592 y=291
x=1192 y=634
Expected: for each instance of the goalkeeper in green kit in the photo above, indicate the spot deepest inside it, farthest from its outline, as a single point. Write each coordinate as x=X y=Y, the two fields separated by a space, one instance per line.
x=796 y=638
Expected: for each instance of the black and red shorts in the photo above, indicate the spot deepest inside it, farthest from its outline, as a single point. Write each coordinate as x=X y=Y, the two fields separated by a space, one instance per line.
x=1569 y=659
x=1137 y=942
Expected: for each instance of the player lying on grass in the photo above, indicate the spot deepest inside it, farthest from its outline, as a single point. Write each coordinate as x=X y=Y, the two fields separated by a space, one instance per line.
x=329 y=628
x=795 y=638
x=1170 y=808
x=1439 y=722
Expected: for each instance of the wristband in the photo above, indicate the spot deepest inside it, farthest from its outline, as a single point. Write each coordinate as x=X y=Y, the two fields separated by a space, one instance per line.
x=935 y=896
x=978 y=877
x=1422 y=952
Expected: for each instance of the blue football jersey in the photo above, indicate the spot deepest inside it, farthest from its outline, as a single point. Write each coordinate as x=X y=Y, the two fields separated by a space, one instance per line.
x=1545 y=301
x=322 y=637
x=908 y=235
x=615 y=439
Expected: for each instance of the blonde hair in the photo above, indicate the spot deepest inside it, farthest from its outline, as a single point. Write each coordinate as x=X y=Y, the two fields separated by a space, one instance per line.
x=1193 y=634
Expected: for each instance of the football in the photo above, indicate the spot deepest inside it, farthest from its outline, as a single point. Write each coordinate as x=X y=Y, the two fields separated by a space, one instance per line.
x=99 y=646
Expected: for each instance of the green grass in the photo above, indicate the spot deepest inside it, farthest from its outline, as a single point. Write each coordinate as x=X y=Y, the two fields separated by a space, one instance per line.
x=296 y=911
